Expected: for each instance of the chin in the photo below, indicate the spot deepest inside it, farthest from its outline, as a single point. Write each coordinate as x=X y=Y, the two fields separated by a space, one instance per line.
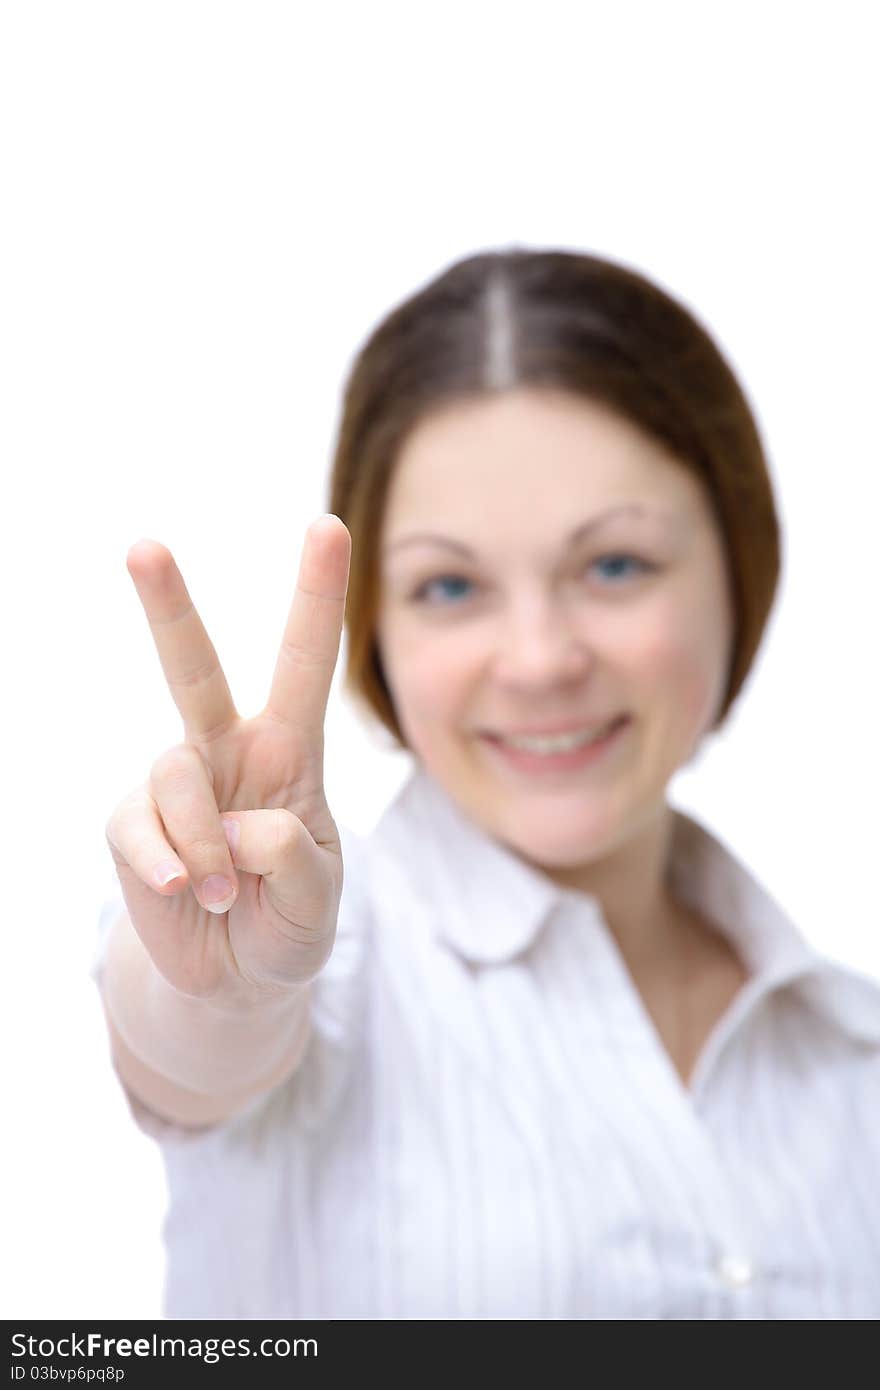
x=564 y=839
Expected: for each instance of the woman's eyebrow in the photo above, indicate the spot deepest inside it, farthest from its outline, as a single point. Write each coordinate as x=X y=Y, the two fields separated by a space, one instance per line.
x=578 y=534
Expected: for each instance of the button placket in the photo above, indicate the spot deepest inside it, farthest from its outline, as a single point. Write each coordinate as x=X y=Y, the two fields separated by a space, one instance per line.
x=728 y=1259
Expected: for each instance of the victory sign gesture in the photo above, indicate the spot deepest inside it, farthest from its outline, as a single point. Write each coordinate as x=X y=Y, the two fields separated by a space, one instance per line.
x=234 y=817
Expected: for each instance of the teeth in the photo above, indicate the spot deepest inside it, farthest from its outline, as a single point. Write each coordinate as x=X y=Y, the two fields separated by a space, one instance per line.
x=556 y=743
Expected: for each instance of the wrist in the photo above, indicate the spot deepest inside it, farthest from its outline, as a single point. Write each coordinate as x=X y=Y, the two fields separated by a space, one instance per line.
x=244 y=999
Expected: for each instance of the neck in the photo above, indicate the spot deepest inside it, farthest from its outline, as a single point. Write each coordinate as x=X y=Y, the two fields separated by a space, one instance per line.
x=630 y=884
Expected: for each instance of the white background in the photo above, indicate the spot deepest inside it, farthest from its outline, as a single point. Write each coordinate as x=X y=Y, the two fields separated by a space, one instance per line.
x=206 y=207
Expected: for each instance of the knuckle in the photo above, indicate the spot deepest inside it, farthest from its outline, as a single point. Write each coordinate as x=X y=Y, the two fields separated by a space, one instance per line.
x=121 y=813
x=205 y=850
x=286 y=829
x=122 y=852
x=178 y=768
x=115 y=845
x=118 y=825
x=195 y=674
x=299 y=654
x=171 y=765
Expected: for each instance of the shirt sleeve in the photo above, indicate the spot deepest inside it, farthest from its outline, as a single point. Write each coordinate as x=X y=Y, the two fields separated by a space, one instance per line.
x=155 y=1126
x=338 y=995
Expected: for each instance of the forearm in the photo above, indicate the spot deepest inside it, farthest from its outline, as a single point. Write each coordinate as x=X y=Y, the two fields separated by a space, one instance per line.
x=185 y=1057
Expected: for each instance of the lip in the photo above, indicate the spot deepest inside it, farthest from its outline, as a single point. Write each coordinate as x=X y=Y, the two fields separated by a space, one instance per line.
x=547 y=730
x=543 y=765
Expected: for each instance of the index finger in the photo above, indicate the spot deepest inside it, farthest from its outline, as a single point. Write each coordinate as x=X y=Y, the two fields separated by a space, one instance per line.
x=189 y=660
x=310 y=646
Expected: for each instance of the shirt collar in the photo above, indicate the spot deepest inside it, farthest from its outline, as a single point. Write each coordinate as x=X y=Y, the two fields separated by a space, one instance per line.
x=489 y=905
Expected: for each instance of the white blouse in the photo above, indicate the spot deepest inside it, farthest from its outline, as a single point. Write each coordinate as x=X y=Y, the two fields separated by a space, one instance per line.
x=487 y=1125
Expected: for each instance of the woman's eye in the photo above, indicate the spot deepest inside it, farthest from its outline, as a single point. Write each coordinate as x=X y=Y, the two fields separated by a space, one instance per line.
x=617 y=566
x=614 y=562
x=424 y=589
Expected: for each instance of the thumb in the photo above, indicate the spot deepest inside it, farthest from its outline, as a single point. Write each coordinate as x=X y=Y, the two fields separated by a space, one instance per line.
x=302 y=881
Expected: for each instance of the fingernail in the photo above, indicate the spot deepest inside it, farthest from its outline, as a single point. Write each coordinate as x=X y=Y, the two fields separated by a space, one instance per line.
x=166 y=871
x=232 y=831
x=217 y=893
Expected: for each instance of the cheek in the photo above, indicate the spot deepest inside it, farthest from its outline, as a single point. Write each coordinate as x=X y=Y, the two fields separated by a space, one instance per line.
x=681 y=668
x=427 y=676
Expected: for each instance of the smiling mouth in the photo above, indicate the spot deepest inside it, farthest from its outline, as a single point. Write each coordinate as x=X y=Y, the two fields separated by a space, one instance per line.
x=558 y=740
x=558 y=754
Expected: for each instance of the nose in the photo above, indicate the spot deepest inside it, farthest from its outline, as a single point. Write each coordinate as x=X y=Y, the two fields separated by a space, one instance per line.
x=541 y=645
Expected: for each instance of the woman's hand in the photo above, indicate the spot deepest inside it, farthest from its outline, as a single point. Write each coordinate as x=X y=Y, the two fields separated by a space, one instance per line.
x=262 y=776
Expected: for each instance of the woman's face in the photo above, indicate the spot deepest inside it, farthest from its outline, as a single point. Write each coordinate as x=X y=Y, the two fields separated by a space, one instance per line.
x=501 y=623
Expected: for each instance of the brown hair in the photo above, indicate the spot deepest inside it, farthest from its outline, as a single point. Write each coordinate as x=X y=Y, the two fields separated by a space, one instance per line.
x=504 y=319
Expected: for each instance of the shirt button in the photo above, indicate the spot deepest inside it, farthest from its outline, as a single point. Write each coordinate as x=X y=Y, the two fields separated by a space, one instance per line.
x=735 y=1271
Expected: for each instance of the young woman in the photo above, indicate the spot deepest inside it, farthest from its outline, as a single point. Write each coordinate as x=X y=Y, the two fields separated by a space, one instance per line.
x=545 y=1049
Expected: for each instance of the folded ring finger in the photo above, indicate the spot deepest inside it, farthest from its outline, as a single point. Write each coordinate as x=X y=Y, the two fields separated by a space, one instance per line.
x=181 y=787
